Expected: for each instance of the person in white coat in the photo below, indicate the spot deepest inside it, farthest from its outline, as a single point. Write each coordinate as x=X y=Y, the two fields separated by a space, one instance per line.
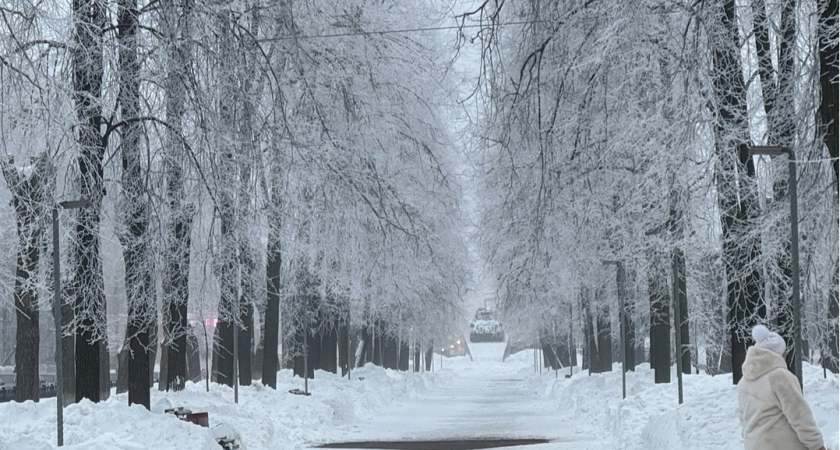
x=773 y=413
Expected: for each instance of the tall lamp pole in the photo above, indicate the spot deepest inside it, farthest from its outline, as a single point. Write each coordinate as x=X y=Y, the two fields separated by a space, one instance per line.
x=794 y=249
x=59 y=376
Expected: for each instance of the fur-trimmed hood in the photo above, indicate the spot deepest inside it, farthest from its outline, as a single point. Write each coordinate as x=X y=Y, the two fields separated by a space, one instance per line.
x=761 y=361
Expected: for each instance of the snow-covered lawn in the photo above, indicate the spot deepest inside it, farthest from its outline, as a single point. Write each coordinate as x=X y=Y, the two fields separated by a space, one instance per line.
x=585 y=407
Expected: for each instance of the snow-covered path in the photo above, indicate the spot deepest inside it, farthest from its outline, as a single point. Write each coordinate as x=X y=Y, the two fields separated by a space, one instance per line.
x=484 y=399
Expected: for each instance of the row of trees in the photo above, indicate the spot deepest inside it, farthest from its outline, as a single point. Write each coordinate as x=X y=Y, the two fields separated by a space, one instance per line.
x=615 y=139
x=246 y=167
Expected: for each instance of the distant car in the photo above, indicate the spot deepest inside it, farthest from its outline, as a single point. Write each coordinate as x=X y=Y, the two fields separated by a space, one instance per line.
x=456 y=347
x=8 y=381
x=486 y=327
x=48 y=381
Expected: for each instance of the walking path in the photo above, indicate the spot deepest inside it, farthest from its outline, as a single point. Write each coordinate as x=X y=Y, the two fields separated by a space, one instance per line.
x=488 y=399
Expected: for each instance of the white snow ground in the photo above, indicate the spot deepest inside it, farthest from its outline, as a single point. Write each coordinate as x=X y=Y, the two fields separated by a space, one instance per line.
x=466 y=399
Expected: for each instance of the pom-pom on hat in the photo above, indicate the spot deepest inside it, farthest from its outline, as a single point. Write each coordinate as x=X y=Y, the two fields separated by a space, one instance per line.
x=765 y=338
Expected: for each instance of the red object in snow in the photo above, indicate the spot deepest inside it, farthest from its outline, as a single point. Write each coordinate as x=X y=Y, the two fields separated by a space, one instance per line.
x=199 y=418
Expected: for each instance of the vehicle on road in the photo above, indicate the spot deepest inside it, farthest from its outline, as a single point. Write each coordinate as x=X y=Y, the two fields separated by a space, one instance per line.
x=486 y=327
x=48 y=381
x=455 y=347
x=8 y=381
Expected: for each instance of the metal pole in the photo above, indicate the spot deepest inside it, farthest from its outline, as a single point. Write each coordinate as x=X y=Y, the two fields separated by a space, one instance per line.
x=59 y=378
x=794 y=262
x=235 y=362
x=206 y=357
x=306 y=360
x=351 y=358
x=623 y=329
x=572 y=347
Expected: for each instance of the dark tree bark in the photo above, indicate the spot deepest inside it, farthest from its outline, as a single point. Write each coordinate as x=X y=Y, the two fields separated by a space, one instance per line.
x=122 y=369
x=193 y=358
x=245 y=341
x=681 y=320
x=223 y=353
x=828 y=115
x=562 y=352
x=404 y=356
x=377 y=343
x=417 y=358
x=391 y=348
x=344 y=356
x=629 y=333
x=90 y=21
x=104 y=371
x=549 y=358
x=68 y=352
x=778 y=91
x=590 y=350
x=29 y=197
x=367 y=347
x=164 y=367
x=429 y=353
x=272 y=311
x=177 y=29
x=660 y=318
x=736 y=190
x=138 y=280
x=229 y=301
x=153 y=350
x=328 y=347
x=604 y=343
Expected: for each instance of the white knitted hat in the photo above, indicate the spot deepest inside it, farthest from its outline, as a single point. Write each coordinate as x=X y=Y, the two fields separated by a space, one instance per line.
x=765 y=338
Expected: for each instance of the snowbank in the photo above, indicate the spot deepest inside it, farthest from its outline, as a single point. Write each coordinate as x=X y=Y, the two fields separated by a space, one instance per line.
x=650 y=417
x=264 y=418
x=589 y=407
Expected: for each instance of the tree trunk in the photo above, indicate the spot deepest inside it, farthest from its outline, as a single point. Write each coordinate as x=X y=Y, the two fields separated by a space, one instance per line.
x=403 y=360
x=272 y=309
x=828 y=115
x=734 y=186
x=193 y=358
x=164 y=368
x=104 y=371
x=229 y=301
x=604 y=343
x=549 y=358
x=344 y=346
x=416 y=360
x=90 y=22
x=391 y=347
x=122 y=369
x=377 y=343
x=429 y=354
x=245 y=339
x=629 y=332
x=329 y=344
x=68 y=352
x=29 y=196
x=590 y=351
x=177 y=251
x=138 y=268
x=223 y=353
x=367 y=347
x=681 y=321
x=660 y=317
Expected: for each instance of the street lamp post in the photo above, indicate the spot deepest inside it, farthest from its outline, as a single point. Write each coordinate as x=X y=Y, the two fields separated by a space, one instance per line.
x=59 y=375
x=794 y=249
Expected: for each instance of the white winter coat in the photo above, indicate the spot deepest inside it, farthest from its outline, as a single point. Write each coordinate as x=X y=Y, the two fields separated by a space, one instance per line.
x=773 y=413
